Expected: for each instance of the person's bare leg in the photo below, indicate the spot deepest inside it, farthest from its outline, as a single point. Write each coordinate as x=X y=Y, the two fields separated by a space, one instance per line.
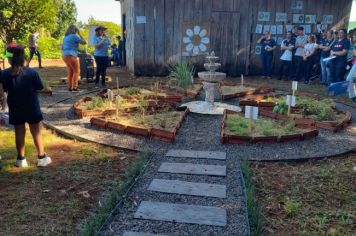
x=20 y=132
x=37 y=138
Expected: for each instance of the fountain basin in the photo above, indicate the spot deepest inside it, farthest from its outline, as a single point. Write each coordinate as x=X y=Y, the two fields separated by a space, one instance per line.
x=212 y=77
x=207 y=108
x=212 y=66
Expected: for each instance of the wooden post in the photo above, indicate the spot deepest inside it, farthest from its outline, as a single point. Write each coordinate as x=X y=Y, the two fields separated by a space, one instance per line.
x=117 y=84
x=242 y=80
x=117 y=106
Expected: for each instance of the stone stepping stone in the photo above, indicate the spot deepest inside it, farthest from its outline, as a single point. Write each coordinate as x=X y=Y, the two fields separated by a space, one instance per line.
x=188 y=188
x=192 y=169
x=191 y=214
x=131 y=233
x=197 y=154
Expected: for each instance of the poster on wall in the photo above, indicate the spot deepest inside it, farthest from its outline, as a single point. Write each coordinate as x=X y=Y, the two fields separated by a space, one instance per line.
x=264 y=16
x=298 y=18
x=195 y=38
x=328 y=19
x=307 y=29
x=258 y=50
x=140 y=19
x=266 y=28
x=259 y=29
x=279 y=29
x=310 y=19
x=297 y=5
x=273 y=29
x=289 y=27
x=281 y=17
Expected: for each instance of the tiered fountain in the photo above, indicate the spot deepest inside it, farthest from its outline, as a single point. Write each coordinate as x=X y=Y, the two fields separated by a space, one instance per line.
x=210 y=85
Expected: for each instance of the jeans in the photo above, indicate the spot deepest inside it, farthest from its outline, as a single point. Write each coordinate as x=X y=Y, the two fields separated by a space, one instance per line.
x=72 y=71
x=286 y=69
x=267 y=64
x=351 y=78
x=298 y=66
x=34 y=51
x=325 y=71
x=101 y=65
x=308 y=68
x=337 y=70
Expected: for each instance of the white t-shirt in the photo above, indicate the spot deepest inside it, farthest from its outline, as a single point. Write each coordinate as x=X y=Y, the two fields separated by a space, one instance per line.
x=301 y=41
x=287 y=55
x=309 y=48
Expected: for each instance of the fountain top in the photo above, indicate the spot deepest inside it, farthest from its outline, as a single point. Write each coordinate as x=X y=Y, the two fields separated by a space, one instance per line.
x=212 y=58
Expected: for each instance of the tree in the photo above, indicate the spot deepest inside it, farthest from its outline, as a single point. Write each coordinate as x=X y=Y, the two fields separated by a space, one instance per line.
x=66 y=16
x=19 y=17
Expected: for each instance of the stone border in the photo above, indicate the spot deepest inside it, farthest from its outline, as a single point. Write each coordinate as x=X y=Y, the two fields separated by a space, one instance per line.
x=159 y=134
x=236 y=139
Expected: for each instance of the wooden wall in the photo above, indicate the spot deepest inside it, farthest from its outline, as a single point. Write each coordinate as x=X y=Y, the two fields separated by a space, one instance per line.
x=232 y=29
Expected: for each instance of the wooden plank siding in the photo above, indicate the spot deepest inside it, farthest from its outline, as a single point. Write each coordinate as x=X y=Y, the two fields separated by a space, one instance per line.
x=232 y=30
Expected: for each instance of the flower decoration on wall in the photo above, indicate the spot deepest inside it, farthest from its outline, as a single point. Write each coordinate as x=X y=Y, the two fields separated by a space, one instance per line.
x=195 y=41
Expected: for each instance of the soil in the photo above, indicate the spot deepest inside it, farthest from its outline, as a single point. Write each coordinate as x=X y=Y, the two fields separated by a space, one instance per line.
x=53 y=200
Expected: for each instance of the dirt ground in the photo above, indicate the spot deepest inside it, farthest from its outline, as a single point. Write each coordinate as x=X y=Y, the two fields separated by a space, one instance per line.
x=53 y=200
x=315 y=197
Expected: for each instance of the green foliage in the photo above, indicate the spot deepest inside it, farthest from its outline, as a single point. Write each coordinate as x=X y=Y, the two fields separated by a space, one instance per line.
x=66 y=16
x=253 y=208
x=183 y=72
x=291 y=207
x=96 y=102
x=321 y=109
x=237 y=124
x=281 y=107
x=133 y=91
x=142 y=104
x=48 y=47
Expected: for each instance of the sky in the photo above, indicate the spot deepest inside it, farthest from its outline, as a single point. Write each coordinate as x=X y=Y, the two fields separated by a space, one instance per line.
x=106 y=10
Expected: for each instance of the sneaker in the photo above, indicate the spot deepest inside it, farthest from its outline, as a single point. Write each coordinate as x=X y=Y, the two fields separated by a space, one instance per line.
x=21 y=163
x=70 y=90
x=75 y=90
x=44 y=161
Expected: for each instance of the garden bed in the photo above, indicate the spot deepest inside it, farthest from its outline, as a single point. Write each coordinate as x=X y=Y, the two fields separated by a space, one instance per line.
x=312 y=113
x=265 y=102
x=234 y=130
x=192 y=91
x=160 y=125
x=233 y=90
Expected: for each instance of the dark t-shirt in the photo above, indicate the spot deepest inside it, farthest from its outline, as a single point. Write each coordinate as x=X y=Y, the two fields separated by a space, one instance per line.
x=22 y=97
x=264 y=43
x=340 y=45
x=325 y=43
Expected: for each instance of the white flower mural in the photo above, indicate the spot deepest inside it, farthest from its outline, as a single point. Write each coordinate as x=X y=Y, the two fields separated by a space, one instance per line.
x=196 y=41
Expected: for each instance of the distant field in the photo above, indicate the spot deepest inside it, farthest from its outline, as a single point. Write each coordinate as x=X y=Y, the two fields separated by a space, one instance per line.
x=352 y=25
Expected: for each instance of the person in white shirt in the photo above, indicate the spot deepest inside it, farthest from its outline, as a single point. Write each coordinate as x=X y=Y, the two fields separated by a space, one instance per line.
x=287 y=47
x=301 y=40
x=308 y=57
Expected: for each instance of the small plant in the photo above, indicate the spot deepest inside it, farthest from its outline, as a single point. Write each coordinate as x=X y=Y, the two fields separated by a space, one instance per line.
x=96 y=102
x=281 y=107
x=142 y=104
x=291 y=207
x=321 y=221
x=237 y=124
x=183 y=72
x=321 y=110
x=133 y=91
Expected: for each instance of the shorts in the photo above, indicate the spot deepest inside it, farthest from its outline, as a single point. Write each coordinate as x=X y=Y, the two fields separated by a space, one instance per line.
x=17 y=119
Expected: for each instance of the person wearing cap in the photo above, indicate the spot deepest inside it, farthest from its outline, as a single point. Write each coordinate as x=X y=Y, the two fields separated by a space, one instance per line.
x=300 y=42
x=101 y=55
x=33 y=46
x=268 y=44
x=21 y=85
x=70 y=46
x=339 y=49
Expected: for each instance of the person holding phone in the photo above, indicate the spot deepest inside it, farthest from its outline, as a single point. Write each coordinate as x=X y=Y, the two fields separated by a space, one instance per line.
x=268 y=44
x=101 y=55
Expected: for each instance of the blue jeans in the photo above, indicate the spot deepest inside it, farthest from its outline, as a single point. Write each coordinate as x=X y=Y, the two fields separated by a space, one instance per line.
x=267 y=64
x=337 y=70
x=352 y=85
x=298 y=67
x=308 y=68
x=325 y=72
x=101 y=65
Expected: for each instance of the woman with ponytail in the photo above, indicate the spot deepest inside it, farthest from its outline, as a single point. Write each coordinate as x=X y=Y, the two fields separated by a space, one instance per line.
x=21 y=85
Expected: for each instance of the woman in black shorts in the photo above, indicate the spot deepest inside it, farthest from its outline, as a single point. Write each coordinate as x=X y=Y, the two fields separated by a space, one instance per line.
x=21 y=83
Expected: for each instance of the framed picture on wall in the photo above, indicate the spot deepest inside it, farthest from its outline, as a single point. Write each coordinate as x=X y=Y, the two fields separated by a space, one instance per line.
x=328 y=19
x=258 y=50
x=297 y=5
x=298 y=18
x=264 y=16
x=281 y=17
x=310 y=19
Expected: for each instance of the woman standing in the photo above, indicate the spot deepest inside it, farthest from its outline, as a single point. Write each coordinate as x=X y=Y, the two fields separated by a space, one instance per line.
x=21 y=84
x=268 y=44
x=308 y=57
x=70 y=46
x=287 y=47
x=325 y=46
x=101 y=55
x=339 y=49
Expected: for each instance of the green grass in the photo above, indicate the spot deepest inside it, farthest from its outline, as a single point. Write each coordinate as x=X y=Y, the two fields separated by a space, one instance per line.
x=253 y=207
x=92 y=224
x=352 y=25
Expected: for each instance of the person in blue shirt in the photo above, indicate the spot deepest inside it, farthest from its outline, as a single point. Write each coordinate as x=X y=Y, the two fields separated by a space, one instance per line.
x=325 y=47
x=70 y=46
x=101 y=55
x=268 y=44
x=339 y=49
x=287 y=47
x=21 y=85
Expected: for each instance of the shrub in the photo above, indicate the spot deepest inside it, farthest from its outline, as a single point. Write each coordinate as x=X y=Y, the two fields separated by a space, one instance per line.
x=183 y=72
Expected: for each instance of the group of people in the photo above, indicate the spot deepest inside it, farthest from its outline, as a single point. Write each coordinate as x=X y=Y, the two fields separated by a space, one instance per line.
x=327 y=55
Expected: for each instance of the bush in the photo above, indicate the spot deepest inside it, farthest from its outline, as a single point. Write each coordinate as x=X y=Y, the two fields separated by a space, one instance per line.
x=49 y=49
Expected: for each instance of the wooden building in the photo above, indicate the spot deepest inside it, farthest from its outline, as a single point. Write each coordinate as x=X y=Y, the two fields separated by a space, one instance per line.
x=159 y=32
